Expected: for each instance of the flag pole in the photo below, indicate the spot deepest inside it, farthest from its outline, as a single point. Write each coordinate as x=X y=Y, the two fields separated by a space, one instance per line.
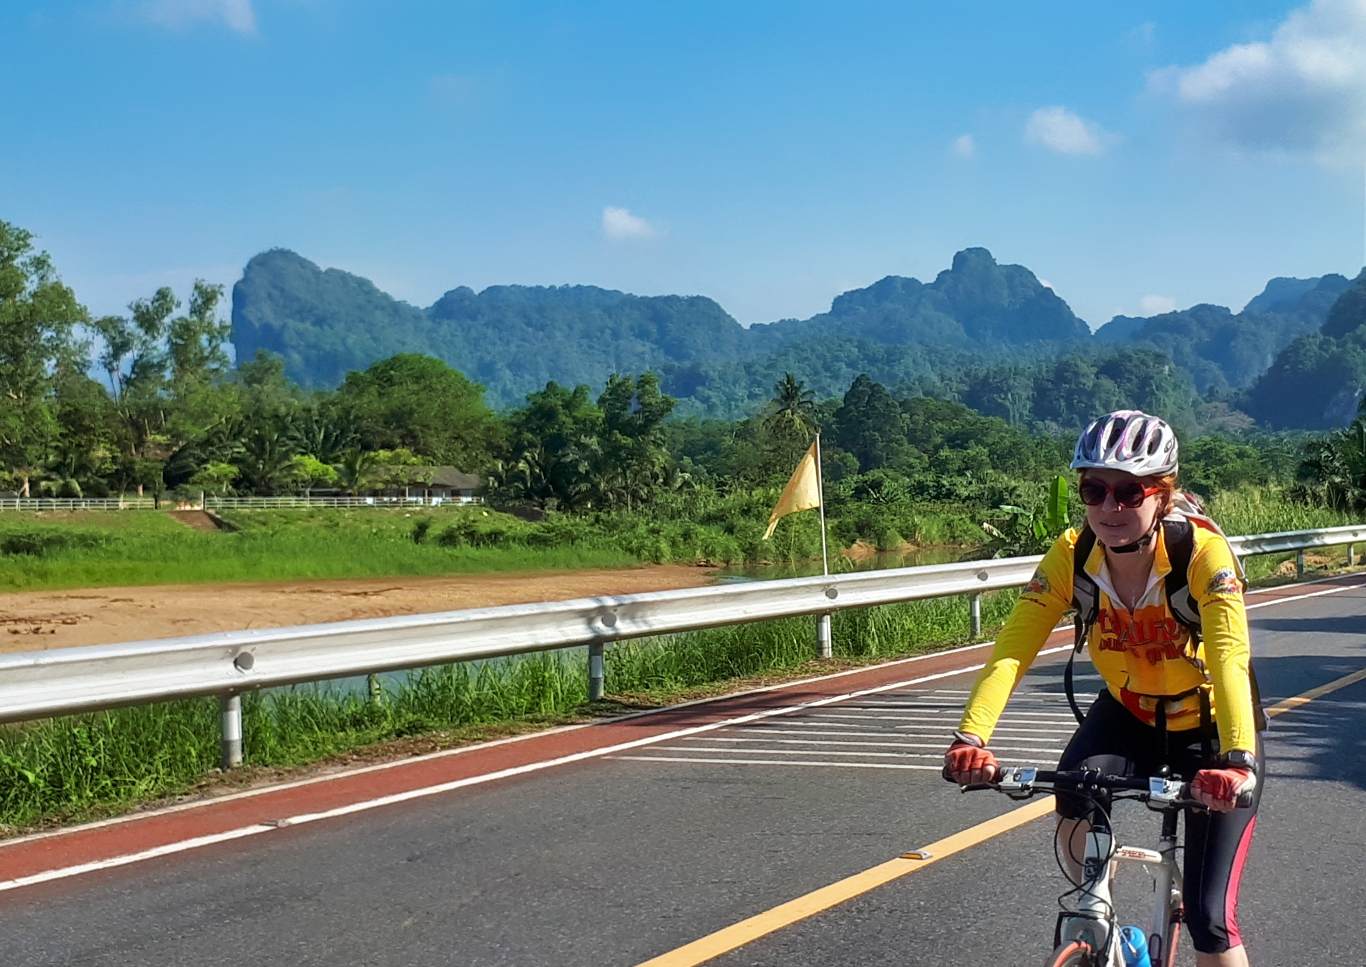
x=820 y=496
x=823 y=635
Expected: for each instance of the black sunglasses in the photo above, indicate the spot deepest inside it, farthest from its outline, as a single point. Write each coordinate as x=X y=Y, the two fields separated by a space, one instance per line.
x=1128 y=494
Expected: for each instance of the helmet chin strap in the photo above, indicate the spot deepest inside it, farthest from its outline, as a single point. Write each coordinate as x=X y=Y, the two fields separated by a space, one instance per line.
x=1141 y=543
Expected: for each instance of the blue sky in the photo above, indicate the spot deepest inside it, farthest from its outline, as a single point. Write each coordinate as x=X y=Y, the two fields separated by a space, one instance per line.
x=769 y=155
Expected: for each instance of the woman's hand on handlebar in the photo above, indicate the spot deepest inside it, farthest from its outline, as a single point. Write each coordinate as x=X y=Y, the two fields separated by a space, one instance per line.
x=1224 y=789
x=969 y=762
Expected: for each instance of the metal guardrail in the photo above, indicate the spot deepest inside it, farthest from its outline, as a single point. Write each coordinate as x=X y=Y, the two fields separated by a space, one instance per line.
x=68 y=680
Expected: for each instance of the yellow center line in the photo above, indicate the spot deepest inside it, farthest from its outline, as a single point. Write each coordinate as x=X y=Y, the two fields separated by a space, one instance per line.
x=770 y=921
x=1304 y=698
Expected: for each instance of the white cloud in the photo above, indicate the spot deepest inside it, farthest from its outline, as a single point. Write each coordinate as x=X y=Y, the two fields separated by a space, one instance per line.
x=1303 y=91
x=620 y=223
x=236 y=15
x=964 y=146
x=1058 y=129
x=1155 y=305
x=1046 y=284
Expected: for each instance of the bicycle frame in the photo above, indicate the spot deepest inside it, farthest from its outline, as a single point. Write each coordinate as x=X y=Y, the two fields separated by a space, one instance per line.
x=1095 y=919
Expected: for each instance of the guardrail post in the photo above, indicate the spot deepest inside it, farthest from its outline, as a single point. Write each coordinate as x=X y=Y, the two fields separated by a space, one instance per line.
x=1299 y=564
x=374 y=688
x=975 y=610
x=1351 y=555
x=595 y=671
x=230 y=721
x=824 y=638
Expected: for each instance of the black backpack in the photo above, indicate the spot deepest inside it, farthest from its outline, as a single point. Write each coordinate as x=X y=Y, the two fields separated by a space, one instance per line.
x=1179 y=537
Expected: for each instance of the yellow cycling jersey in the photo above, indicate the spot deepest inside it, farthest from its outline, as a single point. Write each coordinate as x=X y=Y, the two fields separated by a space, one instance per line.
x=1142 y=653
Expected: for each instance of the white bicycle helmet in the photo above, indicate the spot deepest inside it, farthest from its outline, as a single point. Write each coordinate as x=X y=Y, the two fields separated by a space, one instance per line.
x=1128 y=440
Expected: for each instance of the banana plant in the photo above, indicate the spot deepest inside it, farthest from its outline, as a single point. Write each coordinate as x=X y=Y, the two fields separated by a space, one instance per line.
x=1025 y=530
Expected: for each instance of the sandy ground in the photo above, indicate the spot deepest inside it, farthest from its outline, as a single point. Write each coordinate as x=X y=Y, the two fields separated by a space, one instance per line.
x=36 y=620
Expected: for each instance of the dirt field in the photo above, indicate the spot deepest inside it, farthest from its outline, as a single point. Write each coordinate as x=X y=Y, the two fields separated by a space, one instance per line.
x=34 y=620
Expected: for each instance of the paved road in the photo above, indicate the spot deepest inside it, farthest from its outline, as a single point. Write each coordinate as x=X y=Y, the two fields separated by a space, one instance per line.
x=616 y=859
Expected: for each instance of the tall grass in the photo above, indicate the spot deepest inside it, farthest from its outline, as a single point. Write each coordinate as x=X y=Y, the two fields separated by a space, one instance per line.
x=1266 y=510
x=72 y=767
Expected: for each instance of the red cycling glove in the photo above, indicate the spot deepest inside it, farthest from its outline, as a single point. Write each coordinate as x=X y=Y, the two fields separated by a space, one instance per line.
x=1219 y=789
x=968 y=762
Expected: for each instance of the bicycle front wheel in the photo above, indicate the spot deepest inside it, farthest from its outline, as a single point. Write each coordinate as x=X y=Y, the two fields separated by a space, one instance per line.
x=1074 y=953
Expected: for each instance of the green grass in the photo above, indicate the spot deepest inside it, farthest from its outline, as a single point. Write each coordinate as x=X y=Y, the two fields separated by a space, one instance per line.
x=97 y=549
x=103 y=549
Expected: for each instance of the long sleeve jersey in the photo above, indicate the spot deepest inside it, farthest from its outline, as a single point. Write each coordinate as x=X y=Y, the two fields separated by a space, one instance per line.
x=1141 y=654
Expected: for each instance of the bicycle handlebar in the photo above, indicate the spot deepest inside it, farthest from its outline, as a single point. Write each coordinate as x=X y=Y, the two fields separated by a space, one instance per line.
x=1026 y=781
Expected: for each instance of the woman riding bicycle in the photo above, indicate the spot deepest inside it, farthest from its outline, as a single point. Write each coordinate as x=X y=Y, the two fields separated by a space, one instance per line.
x=1171 y=698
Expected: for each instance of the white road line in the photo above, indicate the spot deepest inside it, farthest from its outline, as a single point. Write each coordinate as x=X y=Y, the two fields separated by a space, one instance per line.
x=956 y=710
x=935 y=739
x=861 y=722
x=937 y=747
x=780 y=762
x=921 y=720
x=936 y=756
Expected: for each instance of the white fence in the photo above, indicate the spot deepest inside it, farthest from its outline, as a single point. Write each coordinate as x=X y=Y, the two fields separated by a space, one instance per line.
x=82 y=503
x=266 y=503
x=66 y=680
x=223 y=503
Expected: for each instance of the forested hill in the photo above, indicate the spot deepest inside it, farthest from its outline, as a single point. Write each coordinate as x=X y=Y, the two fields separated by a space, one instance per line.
x=1224 y=351
x=975 y=304
x=511 y=338
x=514 y=339
x=1319 y=379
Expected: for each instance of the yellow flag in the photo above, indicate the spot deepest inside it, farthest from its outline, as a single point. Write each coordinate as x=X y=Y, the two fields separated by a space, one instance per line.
x=801 y=493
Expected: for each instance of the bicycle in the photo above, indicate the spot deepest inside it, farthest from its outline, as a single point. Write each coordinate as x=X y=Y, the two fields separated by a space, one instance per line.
x=1088 y=936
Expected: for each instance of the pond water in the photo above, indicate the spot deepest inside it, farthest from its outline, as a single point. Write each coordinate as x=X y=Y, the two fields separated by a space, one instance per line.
x=882 y=560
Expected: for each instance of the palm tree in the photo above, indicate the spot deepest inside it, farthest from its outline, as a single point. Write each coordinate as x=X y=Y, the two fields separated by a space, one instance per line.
x=792 y=411
x=265 y=461
x=355 y=470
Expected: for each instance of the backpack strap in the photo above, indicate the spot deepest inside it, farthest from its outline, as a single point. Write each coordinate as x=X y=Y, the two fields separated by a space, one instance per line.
x=1085 y=607
x=1179 y=536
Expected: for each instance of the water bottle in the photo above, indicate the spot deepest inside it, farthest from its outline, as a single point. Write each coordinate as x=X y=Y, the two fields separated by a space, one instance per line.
x=1133 y=944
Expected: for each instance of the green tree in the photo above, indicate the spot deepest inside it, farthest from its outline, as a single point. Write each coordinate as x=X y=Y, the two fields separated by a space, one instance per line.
x=355 y=471
x=135 y=359
x=265 y=461
x=307 y=472
x=215 y=478
x=37 y=316
x=549 y=458
x=632 y=458
x=196 y=348
x=87 y=427
x=870 y=425
x=420 y=403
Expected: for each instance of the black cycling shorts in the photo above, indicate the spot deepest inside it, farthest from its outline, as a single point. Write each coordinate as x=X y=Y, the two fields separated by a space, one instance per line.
x=1113 y=740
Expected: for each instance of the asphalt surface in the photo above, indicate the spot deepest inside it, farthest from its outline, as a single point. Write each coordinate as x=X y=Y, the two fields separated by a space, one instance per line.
x=616 y=860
